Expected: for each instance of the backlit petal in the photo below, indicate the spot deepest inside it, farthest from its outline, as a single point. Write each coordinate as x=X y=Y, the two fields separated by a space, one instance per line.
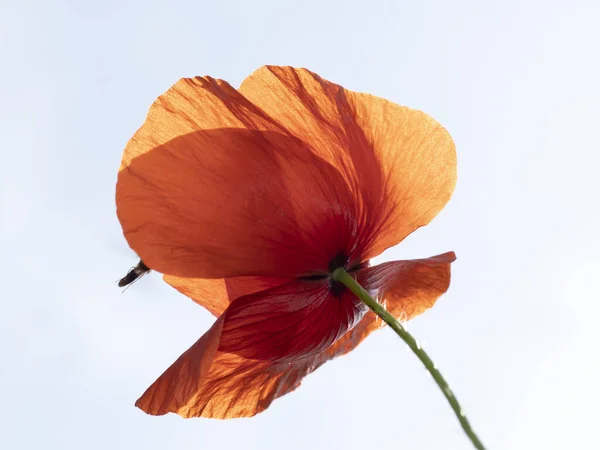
x=218 y=376
x=234 y=386
x=399 y=163
x=258 y=350
x=211 y=187
x=214 y=186
x=288 y=322
x=179 y=385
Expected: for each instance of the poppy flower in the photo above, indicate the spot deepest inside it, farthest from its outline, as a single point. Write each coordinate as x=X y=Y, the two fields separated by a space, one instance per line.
x=248 y=199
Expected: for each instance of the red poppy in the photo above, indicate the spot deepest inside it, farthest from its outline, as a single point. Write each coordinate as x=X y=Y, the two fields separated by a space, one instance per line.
x=248 y=199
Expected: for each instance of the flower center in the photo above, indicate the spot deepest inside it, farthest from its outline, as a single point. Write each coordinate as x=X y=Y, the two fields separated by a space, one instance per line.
x=339 y=260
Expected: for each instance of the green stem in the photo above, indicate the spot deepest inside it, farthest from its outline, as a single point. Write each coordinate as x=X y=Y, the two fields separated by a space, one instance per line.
x=344 y=277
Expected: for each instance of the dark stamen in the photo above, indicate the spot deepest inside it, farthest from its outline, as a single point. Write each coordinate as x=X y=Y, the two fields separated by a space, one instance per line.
x=336 y=288
x=339 y=260
x=313 y=277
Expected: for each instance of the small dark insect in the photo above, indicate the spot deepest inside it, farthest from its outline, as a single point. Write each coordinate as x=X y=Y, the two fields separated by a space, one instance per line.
x=134 y=273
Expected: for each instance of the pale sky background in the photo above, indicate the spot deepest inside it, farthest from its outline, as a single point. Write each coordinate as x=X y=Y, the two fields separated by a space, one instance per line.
x=515 y=82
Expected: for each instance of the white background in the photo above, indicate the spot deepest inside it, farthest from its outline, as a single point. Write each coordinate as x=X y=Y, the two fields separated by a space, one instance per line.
x=515 y=82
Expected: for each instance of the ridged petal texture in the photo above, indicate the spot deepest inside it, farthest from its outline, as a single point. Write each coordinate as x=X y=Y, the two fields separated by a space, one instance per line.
x=264 y=343
x=245 y=199
x=277 y=178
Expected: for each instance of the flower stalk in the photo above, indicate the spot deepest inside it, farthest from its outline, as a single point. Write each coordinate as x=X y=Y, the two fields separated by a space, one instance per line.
x=345 y=278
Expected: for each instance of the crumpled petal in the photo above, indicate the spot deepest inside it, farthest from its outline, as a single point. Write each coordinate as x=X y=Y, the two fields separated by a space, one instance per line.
x=178 y=387
x=288 y=322
x=233 y=387
x=258 y=341
x=231 y=202
x=399 y=163
x=217 y=377
x=216 y=294
x=214 y=186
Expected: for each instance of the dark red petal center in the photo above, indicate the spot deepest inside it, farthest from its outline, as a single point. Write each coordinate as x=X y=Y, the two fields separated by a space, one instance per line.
x=296 y=320
x=339 y=260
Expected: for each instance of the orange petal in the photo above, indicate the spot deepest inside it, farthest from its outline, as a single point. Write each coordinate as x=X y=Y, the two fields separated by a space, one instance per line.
x=179 y=385
x=234 y=387
x=399 y=162
x=208 y=188
x=259 y=349
x=322 y=170
x=289 y=322
x=216 y=294
x=238 y=386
